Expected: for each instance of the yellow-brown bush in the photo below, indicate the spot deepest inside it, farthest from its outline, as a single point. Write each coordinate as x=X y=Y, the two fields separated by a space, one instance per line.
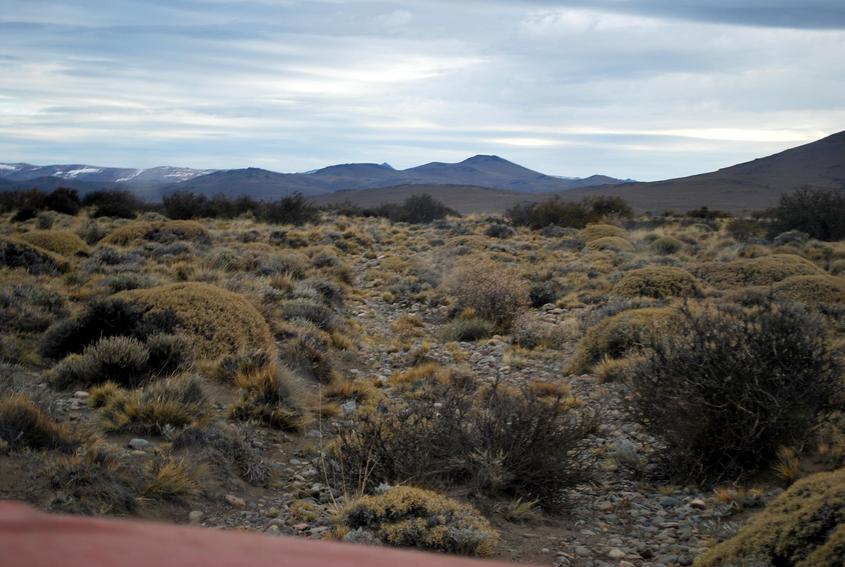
x=147 y=230
x=219 y=321
x=614 y=243
x=656 y=281
x=15 y=253
x=618 y=335
x=62 y=242
x=812 y=290
x=412 y=517
x=804 y=527
x=666 y=245
x=497 y=293
x=764 y=270
x=596 y=231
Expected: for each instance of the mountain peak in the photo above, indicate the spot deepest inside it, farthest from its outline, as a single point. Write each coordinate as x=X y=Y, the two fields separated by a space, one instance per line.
x=483 y=158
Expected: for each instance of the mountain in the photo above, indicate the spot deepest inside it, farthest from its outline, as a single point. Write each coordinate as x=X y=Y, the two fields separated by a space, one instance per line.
x=156 y=176
x=753 y=185
x=257 y=183
x=485 y=171
x=488 y=171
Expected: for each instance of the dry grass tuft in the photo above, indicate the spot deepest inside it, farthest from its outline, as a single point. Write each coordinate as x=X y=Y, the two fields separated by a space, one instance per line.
x=23 y=425
x=412 y=517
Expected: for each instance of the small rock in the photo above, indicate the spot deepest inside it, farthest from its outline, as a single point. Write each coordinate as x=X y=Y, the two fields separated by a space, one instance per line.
x=81 y=394
x=235 y=501
x=138 y=444
x=698 y=504
x=300 y=527
x=626 y=564
x=582 y=551
x=616 y=553
x=195 y=517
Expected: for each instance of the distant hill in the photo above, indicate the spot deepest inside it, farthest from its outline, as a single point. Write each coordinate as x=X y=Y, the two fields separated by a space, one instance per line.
x=152 y=183
x=753 y=185
x=485 y=171
x=463 y=198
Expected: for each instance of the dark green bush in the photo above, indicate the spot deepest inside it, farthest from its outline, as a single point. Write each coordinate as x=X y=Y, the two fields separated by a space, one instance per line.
x=528 y=442
x=120 y=204
x=725 y=387
x=817 y=212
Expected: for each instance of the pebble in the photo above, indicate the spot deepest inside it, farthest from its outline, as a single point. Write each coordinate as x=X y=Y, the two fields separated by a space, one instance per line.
x=138 y=444
x=235 y=501
x=195 y=517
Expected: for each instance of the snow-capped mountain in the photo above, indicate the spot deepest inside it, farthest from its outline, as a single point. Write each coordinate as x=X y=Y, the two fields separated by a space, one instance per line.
x=154 y=176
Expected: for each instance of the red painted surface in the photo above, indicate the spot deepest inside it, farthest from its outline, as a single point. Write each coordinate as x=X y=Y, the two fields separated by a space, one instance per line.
x=29 y=538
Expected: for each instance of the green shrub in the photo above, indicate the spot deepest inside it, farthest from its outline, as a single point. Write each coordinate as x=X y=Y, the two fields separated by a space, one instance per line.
x=470 y=329
x=819 y=213
x=412 y=517
x=723 y=388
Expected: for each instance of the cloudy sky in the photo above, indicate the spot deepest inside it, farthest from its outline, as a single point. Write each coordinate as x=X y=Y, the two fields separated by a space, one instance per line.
x=647 y=89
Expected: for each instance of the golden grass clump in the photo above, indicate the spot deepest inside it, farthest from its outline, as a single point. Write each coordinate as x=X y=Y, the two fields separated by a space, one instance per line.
x=219 y=322
x=656 y=281
x=495 y=292
x=148 y=230
x=666 y=245
x=613 y=243
x=616 y=336
x=270 y=395
x=596 y=231
x=15 y=253
x=812 y=290
x=62 y=242
x=764 y=270
x=804 y=527
x=171 y=481
x=23 y=425
x=412 y=517
x=174 y=402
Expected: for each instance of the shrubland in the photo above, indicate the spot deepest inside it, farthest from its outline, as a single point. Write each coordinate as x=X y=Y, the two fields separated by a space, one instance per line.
x=405 y=376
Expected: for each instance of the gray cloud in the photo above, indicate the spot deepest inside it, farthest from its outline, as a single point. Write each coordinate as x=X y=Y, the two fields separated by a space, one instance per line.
x=642 y=89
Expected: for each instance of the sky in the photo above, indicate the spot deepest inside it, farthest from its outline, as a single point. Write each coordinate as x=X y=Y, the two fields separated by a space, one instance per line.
x=643 y=89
